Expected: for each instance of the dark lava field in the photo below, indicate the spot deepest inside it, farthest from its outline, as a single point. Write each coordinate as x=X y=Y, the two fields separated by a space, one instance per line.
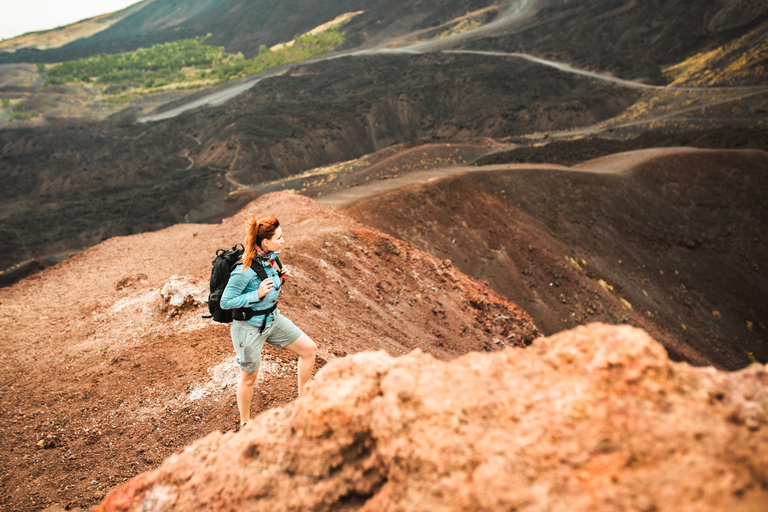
x=456 y=176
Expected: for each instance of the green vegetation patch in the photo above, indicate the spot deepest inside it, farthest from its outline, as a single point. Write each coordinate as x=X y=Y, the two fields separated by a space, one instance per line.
x=184 y=64
x=21 y=111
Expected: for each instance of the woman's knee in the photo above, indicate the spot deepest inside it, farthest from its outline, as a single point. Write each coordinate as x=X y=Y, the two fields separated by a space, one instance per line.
x=312 y=347
x=249 y=378
x=304 y=346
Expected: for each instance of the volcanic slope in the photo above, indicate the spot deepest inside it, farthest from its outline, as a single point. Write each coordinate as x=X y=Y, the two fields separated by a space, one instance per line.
x=101 y=377
x=633 y=40
x=671 y=240
x=245 y=25
x=69 y=186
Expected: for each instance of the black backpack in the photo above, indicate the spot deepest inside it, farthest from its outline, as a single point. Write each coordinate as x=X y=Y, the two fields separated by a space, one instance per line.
x=223 y=265
x=221 y=268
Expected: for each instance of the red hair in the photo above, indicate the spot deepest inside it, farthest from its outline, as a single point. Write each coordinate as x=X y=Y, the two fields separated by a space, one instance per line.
x=257 y=231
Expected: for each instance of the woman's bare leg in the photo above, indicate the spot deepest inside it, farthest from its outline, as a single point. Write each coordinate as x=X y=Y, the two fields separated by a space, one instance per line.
x=306 y=350
x=245 y=394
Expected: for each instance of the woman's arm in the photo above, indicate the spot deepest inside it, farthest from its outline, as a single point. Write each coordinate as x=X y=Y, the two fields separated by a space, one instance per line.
x=233 y=296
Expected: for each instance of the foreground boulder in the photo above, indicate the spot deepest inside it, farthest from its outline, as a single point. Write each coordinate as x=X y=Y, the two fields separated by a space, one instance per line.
x=596 y=418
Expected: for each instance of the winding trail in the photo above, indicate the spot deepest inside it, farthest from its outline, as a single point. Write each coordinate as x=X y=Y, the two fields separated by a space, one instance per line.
x=516 y=11
x=621 y=163
x=211 y=100
x=603 y=127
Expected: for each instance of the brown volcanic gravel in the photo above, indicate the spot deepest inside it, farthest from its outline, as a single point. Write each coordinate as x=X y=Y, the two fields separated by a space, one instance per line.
x=101 y=379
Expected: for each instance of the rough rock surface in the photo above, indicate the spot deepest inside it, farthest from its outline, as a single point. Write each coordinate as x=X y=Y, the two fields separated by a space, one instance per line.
x=596 y=418
x=184 y=292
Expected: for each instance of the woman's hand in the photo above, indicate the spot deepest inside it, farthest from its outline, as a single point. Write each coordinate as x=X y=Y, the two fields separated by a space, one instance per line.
x=285 y=273
x=265 y=287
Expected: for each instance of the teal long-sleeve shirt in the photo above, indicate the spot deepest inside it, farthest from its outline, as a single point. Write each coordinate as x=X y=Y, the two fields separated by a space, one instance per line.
x=242 y=291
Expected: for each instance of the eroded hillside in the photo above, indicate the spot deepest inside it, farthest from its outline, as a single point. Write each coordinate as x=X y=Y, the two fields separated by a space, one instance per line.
x=670 y=240
x=75 y=184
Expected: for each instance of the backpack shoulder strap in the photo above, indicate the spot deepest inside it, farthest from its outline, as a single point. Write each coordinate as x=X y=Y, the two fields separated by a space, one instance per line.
x=259 y=269
x=279 y=265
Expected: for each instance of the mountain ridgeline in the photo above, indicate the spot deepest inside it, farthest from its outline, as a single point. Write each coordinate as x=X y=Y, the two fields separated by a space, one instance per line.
x=631 y=39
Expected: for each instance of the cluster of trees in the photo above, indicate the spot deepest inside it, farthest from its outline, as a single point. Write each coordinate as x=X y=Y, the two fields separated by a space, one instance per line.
x=155 y=66
x=304 y=47
x=185 y=61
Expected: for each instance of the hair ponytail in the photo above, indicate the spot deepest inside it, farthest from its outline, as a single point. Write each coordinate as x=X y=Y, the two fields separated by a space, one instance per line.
x=257 y=231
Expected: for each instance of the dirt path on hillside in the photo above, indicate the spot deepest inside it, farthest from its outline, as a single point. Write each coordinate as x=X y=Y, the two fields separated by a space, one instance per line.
x=613 y=164
x=357 y=193
x=212 y=100
x=600 y=76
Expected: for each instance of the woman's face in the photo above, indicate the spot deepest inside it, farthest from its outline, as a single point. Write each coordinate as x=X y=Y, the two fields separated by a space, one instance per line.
x=275 y=243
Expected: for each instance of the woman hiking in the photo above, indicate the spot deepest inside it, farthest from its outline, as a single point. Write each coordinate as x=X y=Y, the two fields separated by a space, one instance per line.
x=257 y=320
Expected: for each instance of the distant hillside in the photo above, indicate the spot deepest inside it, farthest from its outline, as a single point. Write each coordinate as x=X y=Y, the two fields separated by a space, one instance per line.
x=112 y=179
x=60 y=36
x=743 y=61
x=245 y=25
x=630 y=39
x=71 y=180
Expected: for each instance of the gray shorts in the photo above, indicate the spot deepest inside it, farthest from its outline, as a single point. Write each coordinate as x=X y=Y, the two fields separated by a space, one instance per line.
x=248 y=341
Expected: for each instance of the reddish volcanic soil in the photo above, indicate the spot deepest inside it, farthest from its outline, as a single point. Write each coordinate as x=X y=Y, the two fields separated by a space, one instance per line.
x=669 y=240
x=102 y=379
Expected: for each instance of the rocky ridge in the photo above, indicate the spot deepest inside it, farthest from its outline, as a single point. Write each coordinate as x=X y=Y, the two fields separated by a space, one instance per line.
x=596 y=418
